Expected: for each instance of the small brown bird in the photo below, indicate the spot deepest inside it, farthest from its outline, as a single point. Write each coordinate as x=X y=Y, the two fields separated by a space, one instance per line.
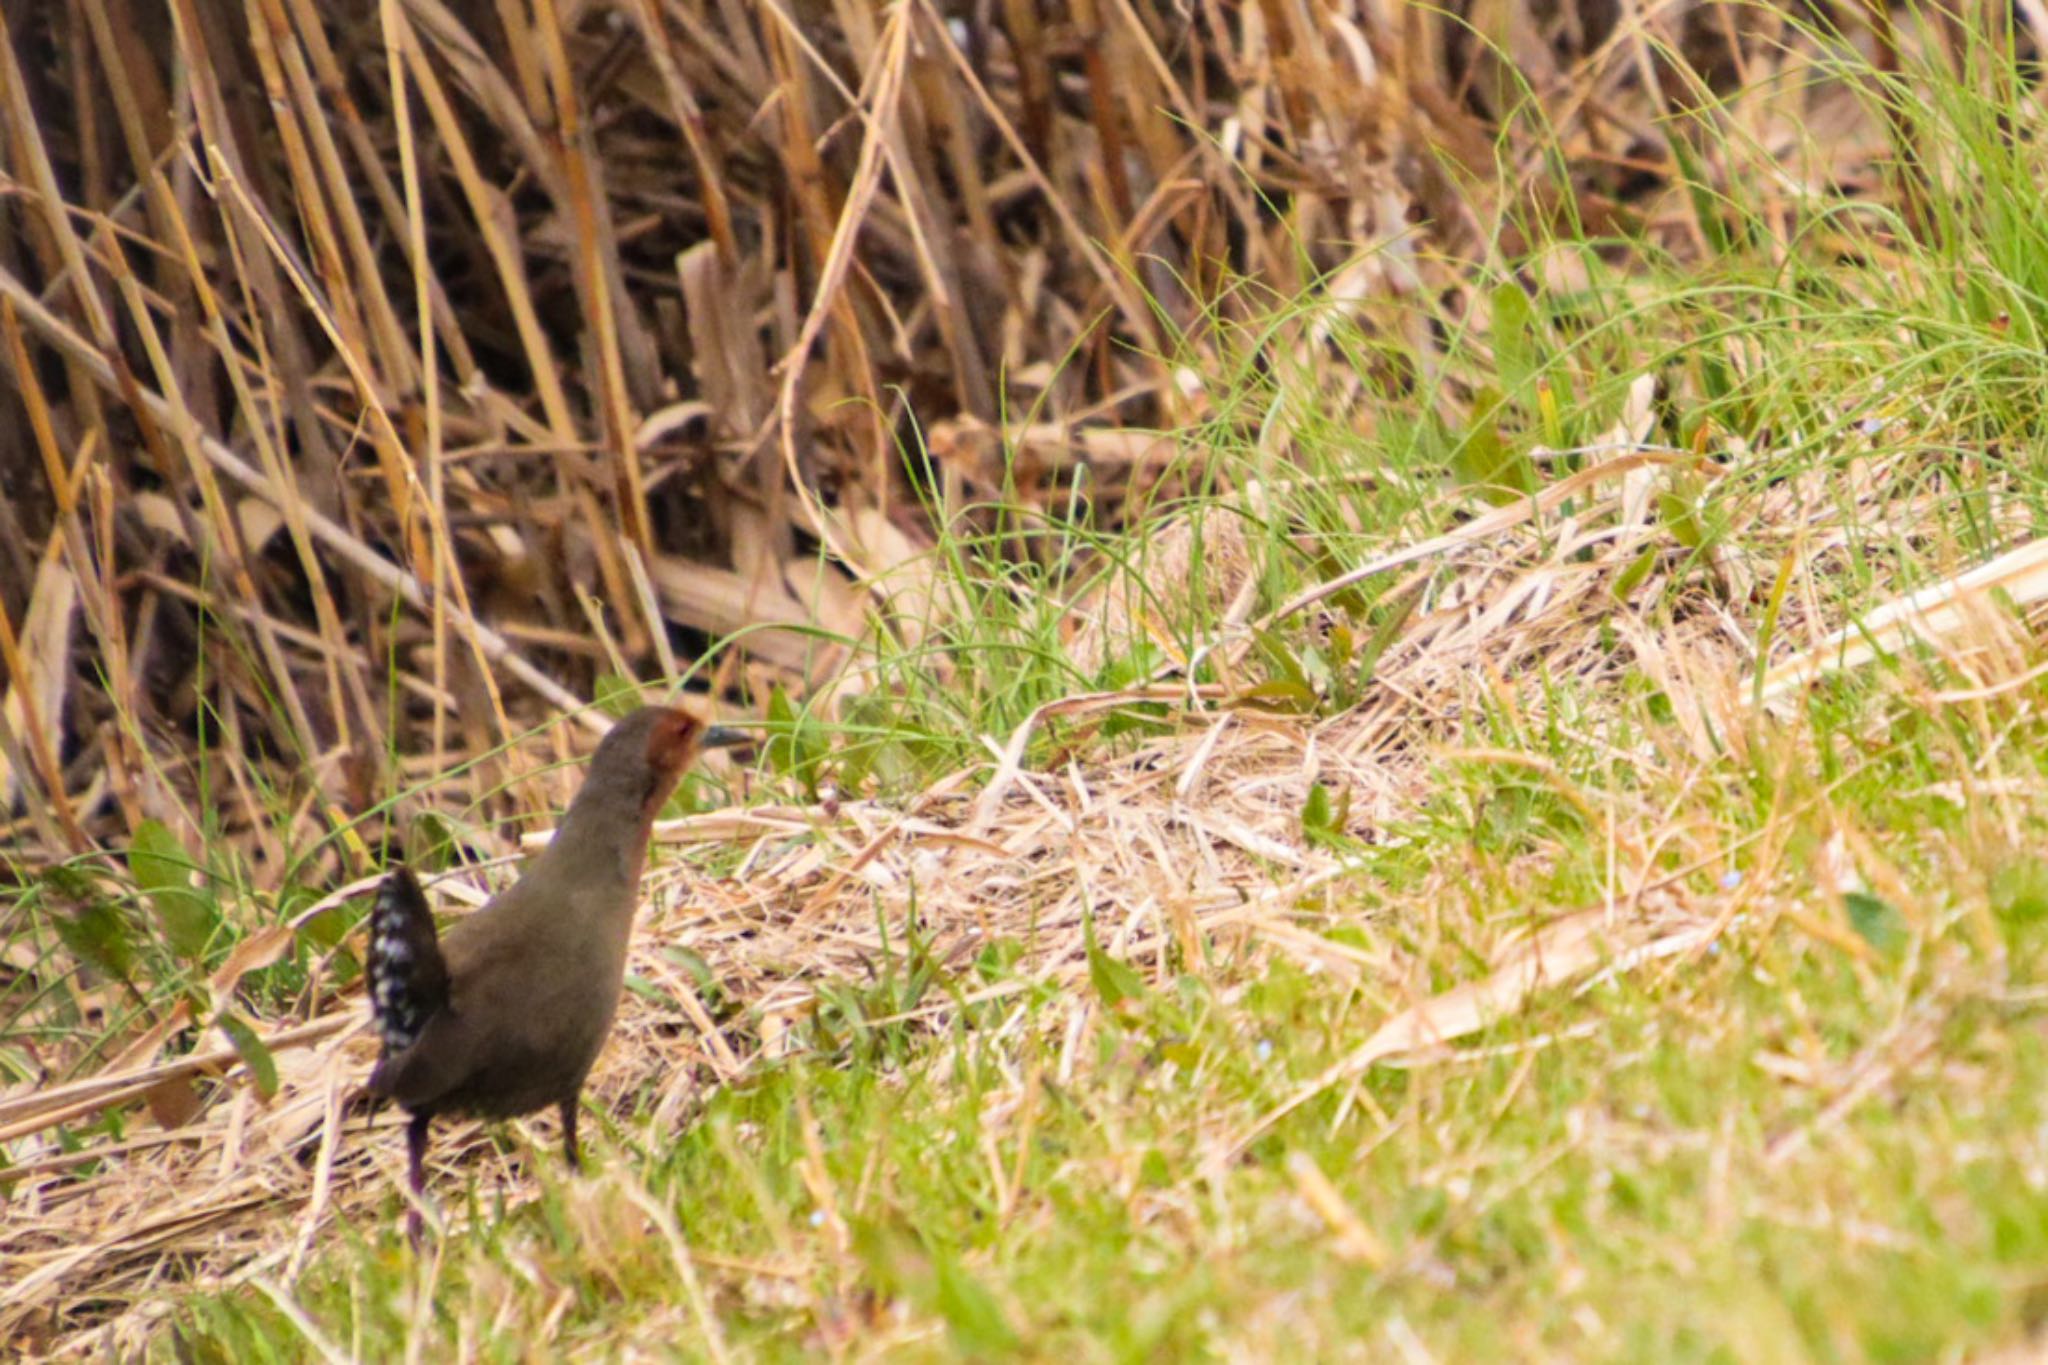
x=508 y=1012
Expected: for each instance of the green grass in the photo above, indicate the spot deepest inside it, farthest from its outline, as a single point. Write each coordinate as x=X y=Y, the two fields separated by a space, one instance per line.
x=1789 y=1146
x=1822 y=1137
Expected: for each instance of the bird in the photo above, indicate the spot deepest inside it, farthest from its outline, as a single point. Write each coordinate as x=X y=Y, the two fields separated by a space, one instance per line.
x=506 y=1013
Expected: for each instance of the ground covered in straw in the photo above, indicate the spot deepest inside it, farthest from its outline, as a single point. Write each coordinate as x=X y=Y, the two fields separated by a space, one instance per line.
x=1053 y=907
x=1396 y=653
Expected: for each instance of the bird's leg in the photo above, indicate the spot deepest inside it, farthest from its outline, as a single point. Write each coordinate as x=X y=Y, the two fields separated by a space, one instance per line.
x=416 y=1173
x=569 y=1136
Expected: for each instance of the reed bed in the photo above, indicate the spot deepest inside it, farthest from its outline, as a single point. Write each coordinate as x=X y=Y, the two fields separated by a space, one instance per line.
x=386 y=384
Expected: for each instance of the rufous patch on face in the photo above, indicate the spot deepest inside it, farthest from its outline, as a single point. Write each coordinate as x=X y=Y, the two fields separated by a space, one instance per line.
x=673 y=741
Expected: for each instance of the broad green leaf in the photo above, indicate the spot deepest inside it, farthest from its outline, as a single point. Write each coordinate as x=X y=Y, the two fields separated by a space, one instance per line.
x=998 y=958
x=1142 y=716
x=1876 y=921
x=1277 y=652
x=615 y=694
x=1296 y=695
x=163 y=872
x=1486 y=461
x=856 y=764
x=1316 y=811
x=1631 y=578
x=1114 y=981
x=252 y=1050
x=98 y=934
x=326 y=929
x=1550 y=414
x=796 y=745
x=780 y=749
x=1684 y=507
x=1316 y=669
x=699 y=971
x=641 y=988
x=1323 y=820
x=434 y=842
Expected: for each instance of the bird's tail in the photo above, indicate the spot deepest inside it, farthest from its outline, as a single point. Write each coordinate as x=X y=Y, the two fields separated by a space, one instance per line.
x=408 y=978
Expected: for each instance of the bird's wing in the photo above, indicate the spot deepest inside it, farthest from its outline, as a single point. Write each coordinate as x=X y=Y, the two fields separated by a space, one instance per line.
x=438 y=1065
x=408 y=976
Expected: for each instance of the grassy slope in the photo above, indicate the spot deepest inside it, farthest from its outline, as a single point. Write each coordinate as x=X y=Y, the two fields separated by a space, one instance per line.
x=1822 y=1137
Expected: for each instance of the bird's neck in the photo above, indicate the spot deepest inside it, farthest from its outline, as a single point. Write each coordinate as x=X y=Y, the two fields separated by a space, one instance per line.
x=602 y=840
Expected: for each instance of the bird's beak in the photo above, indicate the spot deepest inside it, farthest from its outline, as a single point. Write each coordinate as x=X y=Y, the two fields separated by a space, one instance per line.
x=725 y=737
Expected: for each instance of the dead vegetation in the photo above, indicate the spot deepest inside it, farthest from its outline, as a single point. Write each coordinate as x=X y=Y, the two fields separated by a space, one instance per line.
x=1192 y=847
x=379 y=376
x=694 y=277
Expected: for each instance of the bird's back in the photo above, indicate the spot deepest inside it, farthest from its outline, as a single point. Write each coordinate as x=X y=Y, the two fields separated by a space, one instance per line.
x=535 y=978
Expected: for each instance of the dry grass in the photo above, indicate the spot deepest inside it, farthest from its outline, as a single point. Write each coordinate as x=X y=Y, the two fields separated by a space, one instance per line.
x=1189 y=848
x=403 y=377
x=696 y=276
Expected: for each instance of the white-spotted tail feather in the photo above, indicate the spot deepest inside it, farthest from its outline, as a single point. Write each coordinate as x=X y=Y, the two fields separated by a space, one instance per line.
x=408 y=979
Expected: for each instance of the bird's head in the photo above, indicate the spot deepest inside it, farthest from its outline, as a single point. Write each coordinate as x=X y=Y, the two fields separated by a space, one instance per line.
x=647 y=753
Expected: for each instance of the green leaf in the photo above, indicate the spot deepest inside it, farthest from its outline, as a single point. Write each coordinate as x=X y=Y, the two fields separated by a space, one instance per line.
x=615 y=694
x=796 y=745
x=69 y=883
x=2019 y=890
x=699 y=971
x=1631 y=578
x=1136 y=661
x=1384 y=634
x=1684 y=508
x=98 y=934
x=856 y=763
x=1144 y=717
x=1514 y=349
x=1315 y=812
x=1706 y=206
x=1717 y=378
x=889 y=1253
x=1485 y=461
x=1115 y=981
x=998 y=958
x=163 y=872
x=639 y=986
x=1317 y=669
x=1552 y=416
x=1876 y=921
x=1293 y=695
x=980 y=1327
x=261 y=1064
x=434 y=843
x=1328 y=565
x=1283 y=659
x=1323 y=821
x=326 y=929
